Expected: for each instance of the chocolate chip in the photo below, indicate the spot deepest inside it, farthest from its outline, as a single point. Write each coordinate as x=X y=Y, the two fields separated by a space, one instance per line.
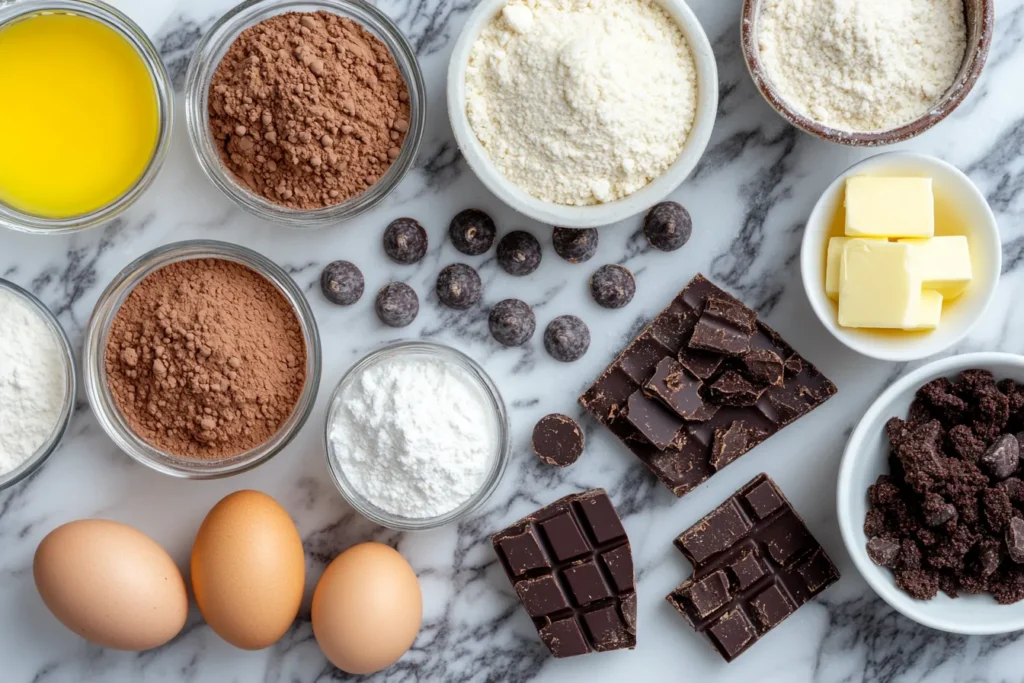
x=459 y=286
x=567 y=338
x=342 y=283
x=883 y=551
x=519 y=253
x=612 y=286
x=397 y=304
x=512 y=322
x=1002 y=458
x=472 y=232
x=575 y=246
x=405 y=241
x=668 y=226
x=557 y=440
x=1015 y=540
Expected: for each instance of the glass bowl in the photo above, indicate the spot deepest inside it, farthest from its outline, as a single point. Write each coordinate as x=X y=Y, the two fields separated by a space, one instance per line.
x=60 y=428
x=367 y=507
x=136 y=37
x=95 y=372
x=211 y=50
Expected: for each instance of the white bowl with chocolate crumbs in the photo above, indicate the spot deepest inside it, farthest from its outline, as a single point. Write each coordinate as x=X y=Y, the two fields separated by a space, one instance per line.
x=305 y=113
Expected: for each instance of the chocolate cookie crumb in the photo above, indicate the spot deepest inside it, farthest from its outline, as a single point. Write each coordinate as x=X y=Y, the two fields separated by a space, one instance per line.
x=567 y=338
x=612 y=286
x=459 y=286
x=575 y=246
x=405 y=241
x=397 y=304
x=557 y=440
x=342 y=283
x=512 y=322
x=472 y=232
x=668 y=226
x=519 y=253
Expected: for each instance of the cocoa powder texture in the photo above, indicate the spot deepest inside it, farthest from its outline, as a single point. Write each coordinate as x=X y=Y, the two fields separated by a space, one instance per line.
x=308 y=109
x=205 y=359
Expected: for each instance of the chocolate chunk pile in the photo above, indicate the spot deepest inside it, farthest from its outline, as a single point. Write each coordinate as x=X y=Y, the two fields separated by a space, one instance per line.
x=950 y=515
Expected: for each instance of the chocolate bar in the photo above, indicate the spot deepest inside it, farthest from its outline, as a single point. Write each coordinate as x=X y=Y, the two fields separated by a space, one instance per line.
x=701 y=385
x=572 y=568
x=754 y=563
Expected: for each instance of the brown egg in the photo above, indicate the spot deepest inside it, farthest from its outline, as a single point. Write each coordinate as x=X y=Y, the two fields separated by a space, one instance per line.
x=367 y=608
x=248 y=570
x=111 y=584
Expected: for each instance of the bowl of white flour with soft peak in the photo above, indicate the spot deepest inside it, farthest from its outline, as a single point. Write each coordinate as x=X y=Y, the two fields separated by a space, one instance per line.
x=580 y=113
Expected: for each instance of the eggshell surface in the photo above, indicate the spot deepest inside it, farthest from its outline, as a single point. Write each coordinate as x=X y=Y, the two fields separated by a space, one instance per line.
x=248 y=570
x=367 y=608
x=111 y=584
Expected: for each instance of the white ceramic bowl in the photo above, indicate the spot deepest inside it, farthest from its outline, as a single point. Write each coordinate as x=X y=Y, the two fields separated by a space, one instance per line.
x=866 y=457
x=958 y=317
x=597 y=214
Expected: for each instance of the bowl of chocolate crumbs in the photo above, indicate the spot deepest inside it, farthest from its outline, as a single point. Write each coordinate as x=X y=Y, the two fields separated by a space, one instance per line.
x=930 y=494
x=305 y=113
x=202 y=359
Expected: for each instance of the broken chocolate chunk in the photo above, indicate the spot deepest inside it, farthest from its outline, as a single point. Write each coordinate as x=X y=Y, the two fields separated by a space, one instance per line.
x=680 y=391
x=1002 y=458
x=883 y=551
x=653 y=421
x=936 y=510
x=764 y=367
x=732 y=389
x=724 y=327
x=733 y=442
x=1015 y=539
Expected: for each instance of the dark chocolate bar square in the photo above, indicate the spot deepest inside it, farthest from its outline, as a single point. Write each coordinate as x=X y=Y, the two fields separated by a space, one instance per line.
x=704 y=345
x=754 y=564
x=571 y=566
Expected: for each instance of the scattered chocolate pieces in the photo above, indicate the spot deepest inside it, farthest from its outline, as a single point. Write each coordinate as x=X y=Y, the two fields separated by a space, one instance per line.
x=687 y=411
x=472 y=232
x=397 y=304
x=612 y=286
x=575 y=246
x=512 y=322
x=405 y=241
x=567 y=338
x=519 y=253
x=458 y=286
x=557 y=440
x=572 y=568
x=668 y=226
x=754 y=564
x=342 y=283
x=950 y=515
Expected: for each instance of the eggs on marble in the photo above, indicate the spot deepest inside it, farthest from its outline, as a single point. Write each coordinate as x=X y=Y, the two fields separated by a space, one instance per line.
x=248 y=570
x=111 y=584
x=367 y=608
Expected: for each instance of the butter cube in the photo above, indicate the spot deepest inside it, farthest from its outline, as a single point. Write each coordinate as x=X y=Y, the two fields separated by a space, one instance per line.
x=944 y=264
x=928 y=312
x=835 y=252
x=889 y=207
x=877 y=285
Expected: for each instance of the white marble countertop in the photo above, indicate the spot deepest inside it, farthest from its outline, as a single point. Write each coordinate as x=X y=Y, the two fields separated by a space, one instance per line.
x=748 y=200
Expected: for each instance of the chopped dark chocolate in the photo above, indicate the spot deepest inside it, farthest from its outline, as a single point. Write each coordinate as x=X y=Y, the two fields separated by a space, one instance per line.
x=688 y=431
x=725 y=327
x=571 y=566
x=1002 y=458
x=557 y=440
x=754 y=564
x=1015 y=539
x=883 y=551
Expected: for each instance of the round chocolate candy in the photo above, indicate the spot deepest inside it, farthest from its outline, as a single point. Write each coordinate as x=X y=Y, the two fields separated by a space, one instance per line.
x=668 y=226
x=612 y=286
x=567 y=338
x=397 y=304
x=472 y=232
x=512 y=322
x=459 y=286
x=557 y=440
x=342 y=283
x=405 y=241
x=575 y=246
x=519 y=253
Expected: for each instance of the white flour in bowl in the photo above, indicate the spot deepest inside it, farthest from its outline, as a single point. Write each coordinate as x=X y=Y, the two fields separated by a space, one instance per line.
x=862 y=65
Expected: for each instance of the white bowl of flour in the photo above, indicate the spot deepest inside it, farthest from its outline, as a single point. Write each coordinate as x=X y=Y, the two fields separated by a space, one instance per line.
x=581 y=113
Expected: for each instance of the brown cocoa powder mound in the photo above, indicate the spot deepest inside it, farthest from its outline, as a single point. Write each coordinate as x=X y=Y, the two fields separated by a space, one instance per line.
x=308 y=109
x=205 y=359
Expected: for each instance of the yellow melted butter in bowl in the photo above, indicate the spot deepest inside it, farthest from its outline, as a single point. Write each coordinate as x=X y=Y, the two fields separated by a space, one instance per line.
x=79 y=116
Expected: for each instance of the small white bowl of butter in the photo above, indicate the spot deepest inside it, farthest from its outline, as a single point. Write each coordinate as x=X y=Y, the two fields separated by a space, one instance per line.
x=871 y=286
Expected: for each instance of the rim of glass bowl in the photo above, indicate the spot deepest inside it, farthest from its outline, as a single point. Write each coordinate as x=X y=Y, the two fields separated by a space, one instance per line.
x=67 y=409
x=207 y=57
x=137 y=38
x=382 y=517
x=95 y=374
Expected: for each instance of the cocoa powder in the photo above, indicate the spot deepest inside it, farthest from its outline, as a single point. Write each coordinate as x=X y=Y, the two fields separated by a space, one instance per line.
x=308 y=109
x=205 y=359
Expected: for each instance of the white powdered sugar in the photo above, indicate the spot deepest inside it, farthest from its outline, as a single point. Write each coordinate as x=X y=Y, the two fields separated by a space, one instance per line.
x=581 y=101
x=862 y=65
x=32 y=381
x=415 y=435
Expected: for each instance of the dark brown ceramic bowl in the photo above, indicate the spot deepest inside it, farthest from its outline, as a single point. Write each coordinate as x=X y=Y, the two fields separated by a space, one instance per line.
x=979 y=15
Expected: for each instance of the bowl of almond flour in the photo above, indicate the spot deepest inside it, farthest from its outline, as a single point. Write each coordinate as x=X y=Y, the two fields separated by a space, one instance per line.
x=866 y=72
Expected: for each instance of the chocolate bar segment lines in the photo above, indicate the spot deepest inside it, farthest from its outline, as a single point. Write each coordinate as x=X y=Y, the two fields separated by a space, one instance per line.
x=754 y=563
x=703 y=384
x=572 y=568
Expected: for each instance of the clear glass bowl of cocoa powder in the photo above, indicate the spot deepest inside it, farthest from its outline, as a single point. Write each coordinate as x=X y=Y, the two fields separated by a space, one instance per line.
x=97 y=380
x=215 y=45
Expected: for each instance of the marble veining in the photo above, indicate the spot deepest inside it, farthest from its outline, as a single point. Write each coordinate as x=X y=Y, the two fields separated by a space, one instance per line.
x=748 y=197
